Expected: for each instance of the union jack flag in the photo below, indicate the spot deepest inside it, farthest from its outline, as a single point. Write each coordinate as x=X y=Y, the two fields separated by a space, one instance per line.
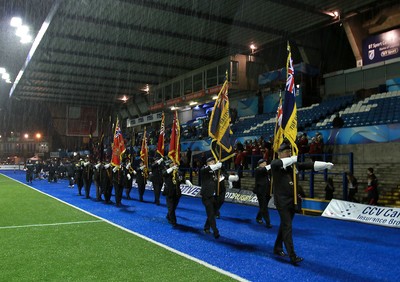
x=289 y=115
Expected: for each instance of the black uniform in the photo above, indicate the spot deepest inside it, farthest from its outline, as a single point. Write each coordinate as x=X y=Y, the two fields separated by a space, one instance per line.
x=263 y=193
x=209 y=182
x=119 y=177
x=30 y=167
x=70 y=167
x=128 y=181
x=87 y=175
x=97 y=181
x=284 y=202
x=79 y=176
x=141 y=181
x=172 y=191
x=106 y=183
x=157 y=180
x=52 y=167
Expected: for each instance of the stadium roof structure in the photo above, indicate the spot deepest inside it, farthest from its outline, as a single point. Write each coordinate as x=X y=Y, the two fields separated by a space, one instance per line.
x=91 y=52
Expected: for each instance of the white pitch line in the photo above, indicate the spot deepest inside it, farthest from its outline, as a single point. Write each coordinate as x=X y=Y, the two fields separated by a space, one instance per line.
x=206 y=264
x=50 y=224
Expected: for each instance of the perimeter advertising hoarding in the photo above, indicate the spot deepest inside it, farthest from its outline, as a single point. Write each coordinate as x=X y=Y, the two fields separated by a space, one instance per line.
x=381 y=47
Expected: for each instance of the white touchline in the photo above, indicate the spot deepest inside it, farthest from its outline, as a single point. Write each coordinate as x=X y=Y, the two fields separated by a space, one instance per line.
x=50 y=224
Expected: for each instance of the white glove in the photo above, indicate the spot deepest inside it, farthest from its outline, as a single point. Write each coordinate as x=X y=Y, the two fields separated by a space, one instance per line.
x=134 y=172
x=216 y=166
x=188 y=183
x=169 y=170
x=86 y=164
x=322 y=165
x=142 y=167
x=128 y=176
x=233 y=178
x=230 y=185
x=268 y=167
x=128 y=166
x=115 y=169
x=106 y=166
x=97 y=166
x=159 y=161
x=72 y=178
x=221 y=178
x=289 y=161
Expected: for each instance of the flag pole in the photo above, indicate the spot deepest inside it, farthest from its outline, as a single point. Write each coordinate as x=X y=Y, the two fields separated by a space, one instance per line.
x=292 y=142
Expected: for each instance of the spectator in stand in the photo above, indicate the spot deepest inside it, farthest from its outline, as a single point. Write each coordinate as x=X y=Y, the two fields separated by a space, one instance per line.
x=372 y=188
x=313 y=149
x=352 y=186
x=239 y=159
x=303 y=144
x=337 y=122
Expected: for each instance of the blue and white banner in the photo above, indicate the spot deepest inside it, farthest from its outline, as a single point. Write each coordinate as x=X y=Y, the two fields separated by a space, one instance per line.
x=385 y=216
x=381 y=47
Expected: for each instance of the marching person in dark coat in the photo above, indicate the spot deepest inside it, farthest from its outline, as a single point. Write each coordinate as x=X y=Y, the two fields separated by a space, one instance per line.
x=263 y=192
x=30 y=167
x=106 y=182
x=209 y=186
x=129 y=172
x=52 y=167
x=119 y=178
x=70 y=167
x=79 y=176
x=141 y=179
x=157 y=179
x=282 y=177
x=87 y=177
x=96 y=180
x=172 y=190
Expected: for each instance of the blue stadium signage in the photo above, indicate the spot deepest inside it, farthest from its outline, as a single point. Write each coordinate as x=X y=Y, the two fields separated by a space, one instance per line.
x=381 y=47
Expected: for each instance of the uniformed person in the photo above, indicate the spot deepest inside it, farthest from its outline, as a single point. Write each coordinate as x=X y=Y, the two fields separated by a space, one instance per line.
x=129 y=172
x=30 y=167
x=282 y=179
x=87 y=175
x=157 y=178
x=209 y=186
x=172 y=190
x=79 y=176
x=263 y=192
x=141 y=179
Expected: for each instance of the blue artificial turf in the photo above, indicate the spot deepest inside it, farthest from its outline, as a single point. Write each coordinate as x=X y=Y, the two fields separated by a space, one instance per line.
x=333 y=250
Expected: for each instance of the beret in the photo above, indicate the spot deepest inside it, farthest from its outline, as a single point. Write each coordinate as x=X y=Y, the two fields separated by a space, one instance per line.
x=210 y=159
x=284 y=146
x=262 y=161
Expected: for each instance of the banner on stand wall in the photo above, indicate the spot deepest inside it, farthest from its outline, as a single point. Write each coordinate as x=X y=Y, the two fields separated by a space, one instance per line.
x=385 y=216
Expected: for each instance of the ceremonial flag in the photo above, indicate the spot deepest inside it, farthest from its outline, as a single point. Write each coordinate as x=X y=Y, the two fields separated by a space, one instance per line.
x=144 y=151
x=118 y=147
x=160 y=144
x=219 y=127
x=278 y=133
x=174 y=145
x=289 y=115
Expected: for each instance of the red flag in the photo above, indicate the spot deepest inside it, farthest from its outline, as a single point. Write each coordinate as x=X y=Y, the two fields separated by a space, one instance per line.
x=118 y=147
x=174 y=145
x=144 y=151
x=160 y=144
